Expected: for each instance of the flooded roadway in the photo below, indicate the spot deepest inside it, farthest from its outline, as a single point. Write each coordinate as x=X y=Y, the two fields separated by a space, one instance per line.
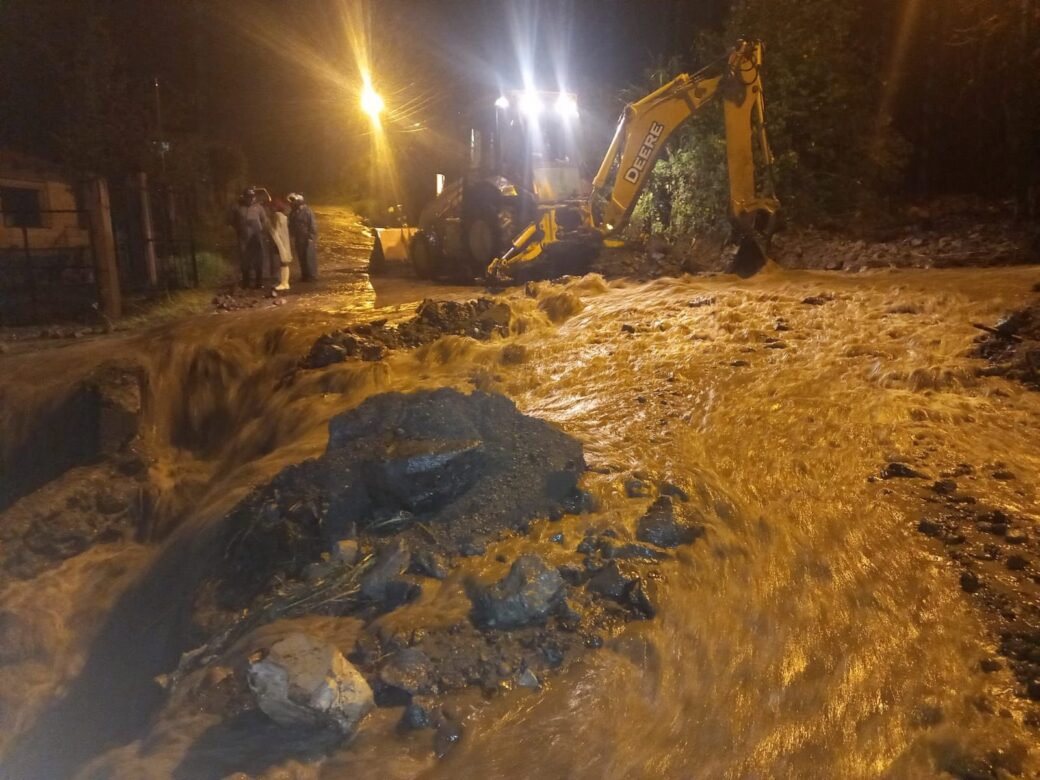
x=815 y=634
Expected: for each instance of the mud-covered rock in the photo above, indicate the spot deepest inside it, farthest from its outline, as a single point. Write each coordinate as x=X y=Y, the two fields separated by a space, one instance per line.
x=528 y=594
x=303 y=681
x=662 y=527
x=408 y=673
x=438 y=469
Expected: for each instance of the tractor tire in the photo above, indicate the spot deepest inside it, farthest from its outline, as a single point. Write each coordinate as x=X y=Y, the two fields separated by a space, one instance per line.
x=423 y=256
x=377 y=260
x=482 y=242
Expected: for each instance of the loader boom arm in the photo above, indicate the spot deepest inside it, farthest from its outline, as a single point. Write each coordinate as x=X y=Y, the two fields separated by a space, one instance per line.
x=646 y=125
x=642 y=132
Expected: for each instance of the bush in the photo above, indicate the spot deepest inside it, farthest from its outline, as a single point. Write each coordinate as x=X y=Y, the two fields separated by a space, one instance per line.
x=834 y=156
x=214 y=269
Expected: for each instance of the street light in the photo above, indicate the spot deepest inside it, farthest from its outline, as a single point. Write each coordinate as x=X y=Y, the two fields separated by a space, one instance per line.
x=371 y=103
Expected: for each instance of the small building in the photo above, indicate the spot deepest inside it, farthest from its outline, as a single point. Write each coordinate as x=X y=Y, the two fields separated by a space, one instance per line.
x=47 y=269
x=39 y=202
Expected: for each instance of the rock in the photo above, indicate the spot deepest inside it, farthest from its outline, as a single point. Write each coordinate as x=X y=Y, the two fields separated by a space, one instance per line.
x=422 y=475
x=324 y=354
x=346 y=552
x=817 y=300
x=420 y=713
x=383 y=583
x=945 y=487
x=408 y=672
x=897 y=470
x=929 y=528
x=673 y=490
x=701 y=300
x=306 y=682
x=609 y=582
x=970 y=582
x=528 y=679
x=626 y=328
x=990 y=665
x=447 y=736
x=428 y=564
x=528 y=594
x=740 y=364
x=1016 y=563
x=1016 y=537
x=573 y=575
x=660 y=527
x=636 y=488
x=372 y=352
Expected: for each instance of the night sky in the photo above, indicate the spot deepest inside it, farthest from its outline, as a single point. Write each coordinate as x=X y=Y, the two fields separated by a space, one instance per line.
x=431 y=59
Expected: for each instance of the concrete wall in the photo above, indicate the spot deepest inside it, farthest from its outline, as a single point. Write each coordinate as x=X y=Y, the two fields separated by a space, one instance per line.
x=59 y=230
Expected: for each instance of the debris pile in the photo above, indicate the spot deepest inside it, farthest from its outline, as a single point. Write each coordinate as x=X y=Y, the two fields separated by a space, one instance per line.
x=1012 y=347
x=246 y=299
x=409 y=488
x=479 y=319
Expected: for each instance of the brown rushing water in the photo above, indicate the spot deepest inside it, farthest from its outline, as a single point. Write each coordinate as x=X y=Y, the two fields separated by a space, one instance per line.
x=814 y=634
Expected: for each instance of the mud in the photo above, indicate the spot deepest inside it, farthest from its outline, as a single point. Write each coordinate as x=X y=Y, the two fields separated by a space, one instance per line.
x=479 y=319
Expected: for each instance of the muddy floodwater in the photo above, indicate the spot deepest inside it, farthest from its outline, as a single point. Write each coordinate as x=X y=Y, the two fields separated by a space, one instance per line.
x=814 y=632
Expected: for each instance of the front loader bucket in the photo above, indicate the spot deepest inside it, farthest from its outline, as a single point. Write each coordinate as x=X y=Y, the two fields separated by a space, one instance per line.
x=390 y=245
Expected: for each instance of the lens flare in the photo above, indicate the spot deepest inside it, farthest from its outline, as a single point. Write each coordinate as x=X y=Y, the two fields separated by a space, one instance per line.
x=567 y=106
x=371 y=103
x=531 y=104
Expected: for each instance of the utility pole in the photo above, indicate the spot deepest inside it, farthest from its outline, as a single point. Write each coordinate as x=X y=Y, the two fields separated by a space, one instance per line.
x=159 y=127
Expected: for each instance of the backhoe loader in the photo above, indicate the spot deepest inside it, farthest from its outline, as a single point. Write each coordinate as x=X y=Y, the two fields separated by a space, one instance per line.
x=565 y=236
x=524 y=172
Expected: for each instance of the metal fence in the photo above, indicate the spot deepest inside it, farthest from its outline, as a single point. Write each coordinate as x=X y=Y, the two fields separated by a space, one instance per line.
x=46 y=277
x=154 y=229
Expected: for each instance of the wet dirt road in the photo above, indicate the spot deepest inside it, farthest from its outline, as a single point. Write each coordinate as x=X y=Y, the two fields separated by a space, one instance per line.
x=816 y=633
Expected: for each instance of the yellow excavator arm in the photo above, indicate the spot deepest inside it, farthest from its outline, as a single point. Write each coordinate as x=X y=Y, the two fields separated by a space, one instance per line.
x=644 y=129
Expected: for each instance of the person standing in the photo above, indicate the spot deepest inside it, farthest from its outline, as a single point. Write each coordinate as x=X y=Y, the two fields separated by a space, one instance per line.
x=279 y=215
x=249 y=219
x=303 y=227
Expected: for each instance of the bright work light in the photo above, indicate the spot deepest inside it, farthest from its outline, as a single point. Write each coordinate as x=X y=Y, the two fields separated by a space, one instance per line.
x=567 y=106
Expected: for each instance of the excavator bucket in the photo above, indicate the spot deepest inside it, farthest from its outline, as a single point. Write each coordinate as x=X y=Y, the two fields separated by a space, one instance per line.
x=750 y=257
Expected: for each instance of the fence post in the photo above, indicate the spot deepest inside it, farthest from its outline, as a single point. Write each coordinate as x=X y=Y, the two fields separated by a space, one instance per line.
x=147 y=231
x=30 y=272
x=103 y=244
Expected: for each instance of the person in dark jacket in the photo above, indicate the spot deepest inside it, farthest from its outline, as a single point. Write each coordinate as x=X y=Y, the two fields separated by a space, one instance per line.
x=303 y=228
x=249 y=219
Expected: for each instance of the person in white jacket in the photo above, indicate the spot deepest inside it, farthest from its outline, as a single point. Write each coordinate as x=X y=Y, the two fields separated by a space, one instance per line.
x=279 y=228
